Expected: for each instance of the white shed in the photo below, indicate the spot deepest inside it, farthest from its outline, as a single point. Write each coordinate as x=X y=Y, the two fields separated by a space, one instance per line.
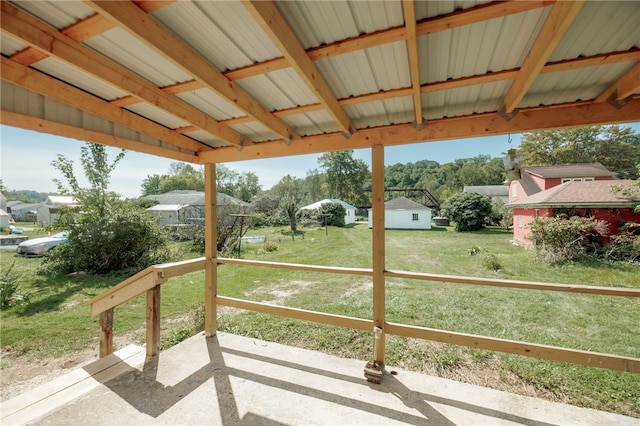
x=403 y=213
x=171 y=214
x=349 y=216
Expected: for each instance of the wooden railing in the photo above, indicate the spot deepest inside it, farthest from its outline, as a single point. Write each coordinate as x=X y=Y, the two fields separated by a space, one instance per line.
x=151 y=278
x=149 y=281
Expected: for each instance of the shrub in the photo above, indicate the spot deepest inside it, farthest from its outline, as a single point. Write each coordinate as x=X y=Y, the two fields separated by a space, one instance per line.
x=560 y=239
x=9 y=288
x=626 y=245
x=468 y=210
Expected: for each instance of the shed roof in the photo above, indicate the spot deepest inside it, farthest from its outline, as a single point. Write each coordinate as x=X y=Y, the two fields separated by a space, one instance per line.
x=319 y=204
x=214 y=82
x=190 y=197
x=570 y=170
x=167 y=207
x=403 y=203
x=488 y=190
x=597 y=193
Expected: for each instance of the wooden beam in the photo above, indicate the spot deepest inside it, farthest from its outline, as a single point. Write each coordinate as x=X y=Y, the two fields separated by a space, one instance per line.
x=47 y=39
x=556 y=25
x=210 y=250
x=52 y=88
x=624 y=87
x=591 y=359
x=153 y=321
x=106 y=333
x=10 y=118
x=488 y=124
x=140 y=25
x=408 y=6
x=378 y=245
x=275 y=26
x=297 y=266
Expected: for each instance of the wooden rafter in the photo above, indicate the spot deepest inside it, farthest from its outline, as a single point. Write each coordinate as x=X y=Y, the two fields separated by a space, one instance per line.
x=408 y=6
x=48 y=40
x=456 y=83
x=275 y=26
x=529 y=119
x=134 y=20
x=556 y=25
x=623 y=88
x=52 y=88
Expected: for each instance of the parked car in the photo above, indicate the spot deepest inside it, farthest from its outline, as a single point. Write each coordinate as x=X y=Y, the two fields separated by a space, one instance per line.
x=39 y=246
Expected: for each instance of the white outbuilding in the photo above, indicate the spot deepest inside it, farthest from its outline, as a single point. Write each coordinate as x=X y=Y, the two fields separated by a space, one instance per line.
x=403 y=213
x=349 y=216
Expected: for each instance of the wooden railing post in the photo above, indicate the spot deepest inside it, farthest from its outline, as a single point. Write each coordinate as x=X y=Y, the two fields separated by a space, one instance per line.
x=153 y=321
x=378 y=255
x=210 y=250
x=106 y=333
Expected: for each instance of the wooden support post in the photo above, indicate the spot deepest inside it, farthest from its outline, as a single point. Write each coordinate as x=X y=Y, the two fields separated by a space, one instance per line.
x=106 y=333
x=153 y=321
x=210 y=249
x=378 y=246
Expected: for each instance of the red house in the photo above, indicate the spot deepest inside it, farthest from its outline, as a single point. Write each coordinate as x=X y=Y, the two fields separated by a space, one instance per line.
x=582 y=188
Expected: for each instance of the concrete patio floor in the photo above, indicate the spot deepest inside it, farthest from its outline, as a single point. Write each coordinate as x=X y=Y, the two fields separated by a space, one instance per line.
x=232 y=380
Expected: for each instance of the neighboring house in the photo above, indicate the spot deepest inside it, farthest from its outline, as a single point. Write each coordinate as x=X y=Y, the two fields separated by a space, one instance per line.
x=23 y=212
x=172 y=214
x=3 y=202
x=493 y=192
x=194 y=200
x=349 y=216
x=540 y=178
x=403 y=213
x=590 y=199
x=47 y=212
x=4 y=216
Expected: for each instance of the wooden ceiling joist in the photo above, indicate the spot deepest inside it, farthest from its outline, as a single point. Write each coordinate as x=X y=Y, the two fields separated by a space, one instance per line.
x=139 y=24
x=48 y=40
x=52 y=88
x=555 y=26
x=618 y=93
x=275 y=26
x=408 y=7
x=529 y=119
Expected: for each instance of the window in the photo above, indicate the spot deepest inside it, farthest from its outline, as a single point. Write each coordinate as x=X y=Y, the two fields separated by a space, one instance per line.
x=537 y=213
x=586 y=179
x=514 y=189
x=415 y=217
x=519 y=221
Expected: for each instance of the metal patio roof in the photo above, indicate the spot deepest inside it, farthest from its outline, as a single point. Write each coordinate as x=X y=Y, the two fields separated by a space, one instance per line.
x=220 y=81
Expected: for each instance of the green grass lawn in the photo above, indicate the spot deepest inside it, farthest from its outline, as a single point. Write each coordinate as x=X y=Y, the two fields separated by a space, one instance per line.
x=596 y=323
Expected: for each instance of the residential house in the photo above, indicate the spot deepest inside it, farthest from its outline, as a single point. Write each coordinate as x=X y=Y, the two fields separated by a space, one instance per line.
x=493 y=192
x=583 y=189
x=47 y=212
x=186 y=204
x=23 y=212
x=403 y=213
x=172 y=214
x=350 y=215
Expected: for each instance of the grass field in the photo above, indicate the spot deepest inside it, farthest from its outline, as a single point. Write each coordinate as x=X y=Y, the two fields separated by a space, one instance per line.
x=55 y=322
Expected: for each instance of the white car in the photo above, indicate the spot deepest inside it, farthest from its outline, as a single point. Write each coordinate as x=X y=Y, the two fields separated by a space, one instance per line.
x=39 y=246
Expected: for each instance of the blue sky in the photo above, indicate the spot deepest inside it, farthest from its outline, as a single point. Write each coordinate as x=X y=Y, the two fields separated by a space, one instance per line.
x=26 y=158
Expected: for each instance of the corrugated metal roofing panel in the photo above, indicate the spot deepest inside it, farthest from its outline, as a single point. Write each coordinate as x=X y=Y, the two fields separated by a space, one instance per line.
x=59 y=14
x=319 y=22
x=492 y=45
x=430 y=9
x=255 y=131
x=211 y=104
x=279 y=89
x=78 y=78
x=380 y=113
x=367 y=71
x=569 y=86
x=158 y=115
x=618 y=25
x=10 y=45
x=222 y=32
x=129 y=52
x=313 y=123
x=464 y=101
x=206 y=138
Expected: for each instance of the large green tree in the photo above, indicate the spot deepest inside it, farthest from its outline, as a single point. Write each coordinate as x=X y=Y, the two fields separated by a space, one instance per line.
x=617 y=148
x=106 y=233
x=468 y=210
x=346 y=176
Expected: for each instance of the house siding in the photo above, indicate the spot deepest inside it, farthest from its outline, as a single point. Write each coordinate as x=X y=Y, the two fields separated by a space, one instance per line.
x=403 y=219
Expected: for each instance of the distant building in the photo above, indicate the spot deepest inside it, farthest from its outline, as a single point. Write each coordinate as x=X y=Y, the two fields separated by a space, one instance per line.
x=493 y=192
x=186 y=204
x=349 y=216
x=47 y=212
x=403 y=213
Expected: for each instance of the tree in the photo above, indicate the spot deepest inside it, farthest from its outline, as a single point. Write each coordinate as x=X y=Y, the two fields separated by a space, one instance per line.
x=181 y=176
x=289 y=188
x=618 y=149
x=468 y=210
x=346 y=176
x=106 y=233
